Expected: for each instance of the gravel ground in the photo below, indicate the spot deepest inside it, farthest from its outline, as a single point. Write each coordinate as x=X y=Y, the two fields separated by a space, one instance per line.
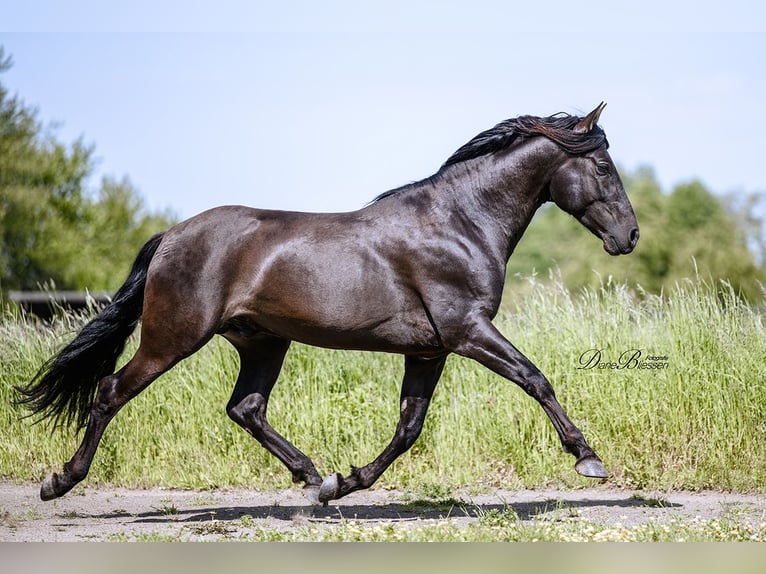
x=108 y=514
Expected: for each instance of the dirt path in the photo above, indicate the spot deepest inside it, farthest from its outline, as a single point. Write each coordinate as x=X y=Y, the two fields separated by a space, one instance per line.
x=107 y=514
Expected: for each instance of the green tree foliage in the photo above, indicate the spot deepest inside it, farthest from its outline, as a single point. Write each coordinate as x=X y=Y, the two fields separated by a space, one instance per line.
x=52 y=228
x=685 y=233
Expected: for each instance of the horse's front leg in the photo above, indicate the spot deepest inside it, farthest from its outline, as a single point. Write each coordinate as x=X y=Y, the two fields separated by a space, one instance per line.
x=420 y=378
x=485 y=344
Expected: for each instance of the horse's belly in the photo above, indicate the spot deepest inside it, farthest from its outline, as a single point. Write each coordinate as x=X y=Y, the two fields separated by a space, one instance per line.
x=406 y=333
x=404 y=341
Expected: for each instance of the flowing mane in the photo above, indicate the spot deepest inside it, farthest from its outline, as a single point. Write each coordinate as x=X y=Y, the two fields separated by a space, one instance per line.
x=557 y=128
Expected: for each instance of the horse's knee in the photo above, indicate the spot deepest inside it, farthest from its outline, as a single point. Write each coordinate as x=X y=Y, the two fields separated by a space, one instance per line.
x=537 y=386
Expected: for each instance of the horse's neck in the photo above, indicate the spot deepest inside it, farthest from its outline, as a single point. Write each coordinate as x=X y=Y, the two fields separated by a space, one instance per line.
x=505 y=190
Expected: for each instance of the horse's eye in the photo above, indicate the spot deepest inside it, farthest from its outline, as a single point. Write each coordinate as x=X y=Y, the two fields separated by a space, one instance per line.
x=603 y=168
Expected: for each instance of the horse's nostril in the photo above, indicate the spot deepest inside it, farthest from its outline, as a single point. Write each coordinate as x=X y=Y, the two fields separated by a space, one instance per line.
x=634 y=237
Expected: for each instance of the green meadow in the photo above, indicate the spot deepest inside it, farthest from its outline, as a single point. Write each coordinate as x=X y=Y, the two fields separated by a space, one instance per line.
x=669 y=389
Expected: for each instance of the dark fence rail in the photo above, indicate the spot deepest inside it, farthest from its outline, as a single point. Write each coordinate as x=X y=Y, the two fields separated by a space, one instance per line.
x=45 y=304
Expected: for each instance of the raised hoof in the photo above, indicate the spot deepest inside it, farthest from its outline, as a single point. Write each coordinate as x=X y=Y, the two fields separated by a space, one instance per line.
x=330 y=488
x=48 y=489
x=592 y=468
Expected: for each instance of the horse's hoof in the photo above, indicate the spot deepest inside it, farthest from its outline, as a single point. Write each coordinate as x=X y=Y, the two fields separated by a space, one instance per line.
x=591 y=467
x=330 y=488
x=48 y=489
x=312 y=493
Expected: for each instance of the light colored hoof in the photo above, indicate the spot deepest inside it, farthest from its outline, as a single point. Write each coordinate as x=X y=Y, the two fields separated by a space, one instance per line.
x=47 y=490
x=330 y=488
x=312 y=493
x=592 y=468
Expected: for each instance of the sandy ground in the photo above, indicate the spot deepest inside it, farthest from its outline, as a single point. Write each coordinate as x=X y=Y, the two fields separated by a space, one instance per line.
x=109 y=514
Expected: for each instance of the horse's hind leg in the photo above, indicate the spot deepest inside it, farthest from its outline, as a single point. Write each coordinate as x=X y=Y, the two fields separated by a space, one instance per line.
x=420 y=378
x=113 y=392
x=260 y=362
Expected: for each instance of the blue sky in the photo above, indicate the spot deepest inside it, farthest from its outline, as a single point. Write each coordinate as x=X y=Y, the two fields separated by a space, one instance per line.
x=322 y=106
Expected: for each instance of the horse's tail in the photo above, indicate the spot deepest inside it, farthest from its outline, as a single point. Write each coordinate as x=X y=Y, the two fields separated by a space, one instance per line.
x=65 y=385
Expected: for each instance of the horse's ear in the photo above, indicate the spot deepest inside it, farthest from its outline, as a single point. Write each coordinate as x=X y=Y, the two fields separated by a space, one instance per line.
x=586 y=124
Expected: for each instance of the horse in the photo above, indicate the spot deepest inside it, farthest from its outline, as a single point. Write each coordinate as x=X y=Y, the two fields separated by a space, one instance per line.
x=419 y=271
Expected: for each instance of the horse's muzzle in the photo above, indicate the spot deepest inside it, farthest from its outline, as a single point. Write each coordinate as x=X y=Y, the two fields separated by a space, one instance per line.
x=613 y=246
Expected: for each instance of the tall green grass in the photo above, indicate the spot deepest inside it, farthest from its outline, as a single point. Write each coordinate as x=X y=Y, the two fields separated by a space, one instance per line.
x=699 y=423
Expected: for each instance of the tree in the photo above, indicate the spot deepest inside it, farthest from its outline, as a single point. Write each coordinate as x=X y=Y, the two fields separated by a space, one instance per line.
x=52 y=228
x=708 y=240
x=749 y=213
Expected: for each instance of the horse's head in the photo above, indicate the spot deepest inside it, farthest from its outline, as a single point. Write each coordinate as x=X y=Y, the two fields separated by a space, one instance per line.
x=588 y=187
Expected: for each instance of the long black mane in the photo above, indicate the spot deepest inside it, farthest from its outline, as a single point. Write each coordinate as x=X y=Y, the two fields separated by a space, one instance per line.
x=558 y=128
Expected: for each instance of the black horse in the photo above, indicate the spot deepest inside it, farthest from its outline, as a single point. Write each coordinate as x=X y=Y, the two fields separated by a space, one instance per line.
x=419 y=271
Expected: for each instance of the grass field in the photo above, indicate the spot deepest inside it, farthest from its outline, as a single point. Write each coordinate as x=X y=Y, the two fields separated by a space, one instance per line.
x=688 y=413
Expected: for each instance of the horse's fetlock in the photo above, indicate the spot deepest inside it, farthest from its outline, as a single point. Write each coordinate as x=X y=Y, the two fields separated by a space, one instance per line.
x=356 y=474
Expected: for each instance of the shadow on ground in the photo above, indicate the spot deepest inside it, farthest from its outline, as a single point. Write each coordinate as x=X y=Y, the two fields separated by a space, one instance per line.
x=416 y=510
